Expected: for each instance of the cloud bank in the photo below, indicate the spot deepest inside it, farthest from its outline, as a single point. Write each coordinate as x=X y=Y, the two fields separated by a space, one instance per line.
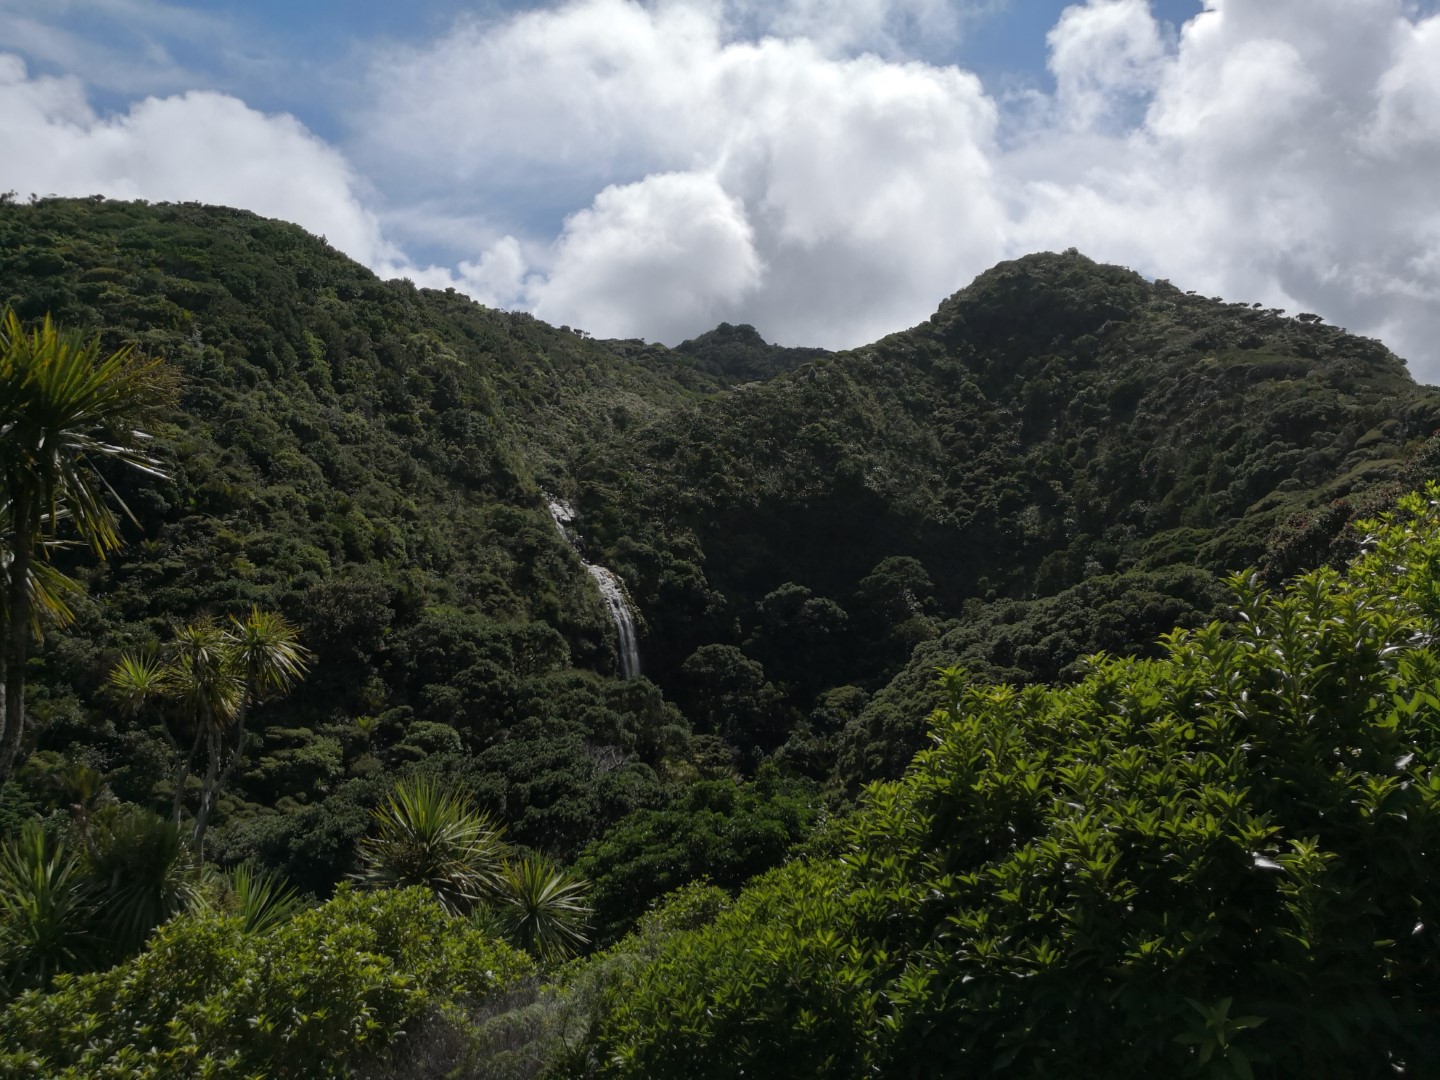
x=1285 y=154
x=198 y=146
x=649 y=169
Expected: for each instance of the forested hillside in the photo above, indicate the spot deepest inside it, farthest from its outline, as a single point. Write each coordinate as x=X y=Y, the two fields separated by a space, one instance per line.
x=368 y=460
x=1065 y=459
x=1060 y=461
x=1209 y=864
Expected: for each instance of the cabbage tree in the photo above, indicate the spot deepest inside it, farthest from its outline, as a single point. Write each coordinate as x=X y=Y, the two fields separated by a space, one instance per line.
x=64 y=409
x=211 y=674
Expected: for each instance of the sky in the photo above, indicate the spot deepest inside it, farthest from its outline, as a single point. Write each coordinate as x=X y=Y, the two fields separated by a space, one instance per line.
x=826 y=170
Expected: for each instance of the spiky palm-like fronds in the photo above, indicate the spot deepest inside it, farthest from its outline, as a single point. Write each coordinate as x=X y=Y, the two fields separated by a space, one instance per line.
x=262 y=898
x=48 y=591
x=432 y=836
x=542 y=909
x=202 y=675
x=212 y=674
x=46 y=905
x=144 y=874
x=64 y=408
x=85 y=792
x=264 y=658
x=67 y=407
x=267 y=653
x=136 y=680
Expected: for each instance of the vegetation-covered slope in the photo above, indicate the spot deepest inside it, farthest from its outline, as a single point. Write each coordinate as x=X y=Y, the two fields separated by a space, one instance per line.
x=367 y=459
x=1057 y=462
x=1058 y=429
x=1212 y=864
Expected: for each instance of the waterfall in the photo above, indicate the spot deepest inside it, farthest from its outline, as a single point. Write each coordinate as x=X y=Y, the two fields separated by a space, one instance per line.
x=612 y=591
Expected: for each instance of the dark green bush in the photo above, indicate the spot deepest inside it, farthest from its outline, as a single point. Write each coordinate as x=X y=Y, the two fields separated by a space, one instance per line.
x=1217 y=863
x=718 y=829
x=304 y=999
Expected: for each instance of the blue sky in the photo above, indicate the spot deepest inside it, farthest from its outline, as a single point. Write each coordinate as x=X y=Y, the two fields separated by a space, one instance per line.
x=314 y=41
x=825 y=169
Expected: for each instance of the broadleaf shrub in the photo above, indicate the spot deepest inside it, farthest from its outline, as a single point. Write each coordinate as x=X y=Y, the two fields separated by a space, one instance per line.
x=307 y=998
x=1217 y=863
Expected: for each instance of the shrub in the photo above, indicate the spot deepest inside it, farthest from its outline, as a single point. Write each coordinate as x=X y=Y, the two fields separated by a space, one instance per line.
x=430 y=835
x=46 y=906
x=1217 y=863
x=143 y=872
x=542 y=909
x=718 y=829
x=300 y=1000
x=261 y=898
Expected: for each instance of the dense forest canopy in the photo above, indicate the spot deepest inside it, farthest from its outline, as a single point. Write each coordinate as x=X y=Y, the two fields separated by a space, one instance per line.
x=1214 y=863
x=1063 y=460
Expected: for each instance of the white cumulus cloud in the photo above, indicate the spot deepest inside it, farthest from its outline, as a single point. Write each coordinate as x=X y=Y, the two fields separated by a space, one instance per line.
x=1104 y=55
x=1283 y=157
x=840 y=27
x=848 y=193
x=199 y=146
x=675 y=238
x=650 y=167
x=1279 y=152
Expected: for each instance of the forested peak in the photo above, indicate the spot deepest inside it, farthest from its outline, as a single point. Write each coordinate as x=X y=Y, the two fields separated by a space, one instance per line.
x=1058 y=464
x=725 y=334
x=1050 y=451
x=1041 y=297
x=740 y=354
x=1041 y=270
x=1067 y=305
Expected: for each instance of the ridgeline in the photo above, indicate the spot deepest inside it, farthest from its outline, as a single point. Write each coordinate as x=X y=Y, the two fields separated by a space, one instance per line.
x=1060 y=461
x=1064 y=459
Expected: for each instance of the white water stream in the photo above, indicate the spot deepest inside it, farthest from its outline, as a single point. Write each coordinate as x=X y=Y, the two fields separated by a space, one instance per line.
x=612 y=591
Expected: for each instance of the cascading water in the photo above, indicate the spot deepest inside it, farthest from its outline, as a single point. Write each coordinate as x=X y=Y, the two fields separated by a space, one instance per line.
x=611 y=590
x=614 y=595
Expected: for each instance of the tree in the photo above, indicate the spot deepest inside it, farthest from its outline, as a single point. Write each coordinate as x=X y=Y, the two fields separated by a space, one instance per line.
x=800 y=638
x=63 y=410
x=432 y=836
x=213 y=674
x=729 y=695
x=45 y=908
x=716 y=829
x=542 y=909
x=142 y=873
x=266 y=659
x=1215 y=863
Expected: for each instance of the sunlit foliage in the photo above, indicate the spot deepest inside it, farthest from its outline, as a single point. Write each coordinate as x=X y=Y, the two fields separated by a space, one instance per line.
x=1210 y=863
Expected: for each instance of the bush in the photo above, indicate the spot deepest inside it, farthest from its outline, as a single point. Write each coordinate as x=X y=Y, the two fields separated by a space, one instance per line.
x=46 y=907
x=718 y=829
x=143 y=872
x=302 y=1000
x=1218 y=863
x=542 y=909
x=431 y=835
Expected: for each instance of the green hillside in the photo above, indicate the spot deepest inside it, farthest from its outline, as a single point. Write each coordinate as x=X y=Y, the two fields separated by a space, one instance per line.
x=1059 y=461
x=367 y=459
x=1209 y=864
x=1064 y=460
x=1054 y=455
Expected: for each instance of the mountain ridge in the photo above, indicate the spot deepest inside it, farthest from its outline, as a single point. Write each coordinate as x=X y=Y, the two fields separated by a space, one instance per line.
x=1060 y=459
